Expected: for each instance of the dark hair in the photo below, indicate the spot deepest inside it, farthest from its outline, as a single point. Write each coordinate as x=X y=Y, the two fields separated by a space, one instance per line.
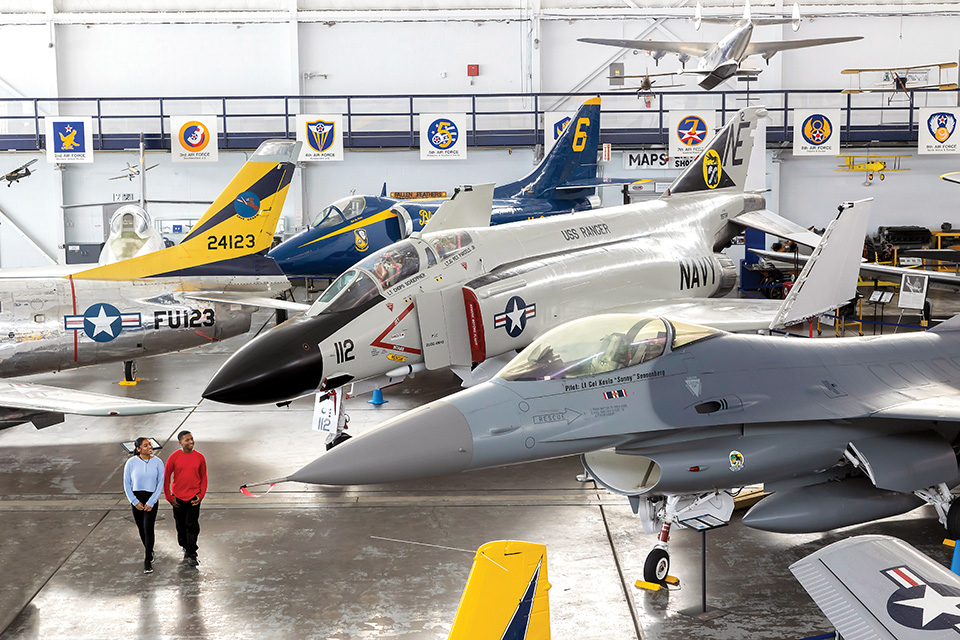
x=182 y=434
x=139 y=441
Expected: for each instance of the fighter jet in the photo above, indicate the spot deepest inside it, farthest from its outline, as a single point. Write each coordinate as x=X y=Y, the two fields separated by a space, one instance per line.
x=470 y=297
x=202 y=290
x=358 y=226
x=678 y=416
x=721 y=61
x=20 y=172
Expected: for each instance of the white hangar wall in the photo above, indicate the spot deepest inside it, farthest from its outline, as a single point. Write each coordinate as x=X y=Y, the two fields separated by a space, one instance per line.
x=109 y=55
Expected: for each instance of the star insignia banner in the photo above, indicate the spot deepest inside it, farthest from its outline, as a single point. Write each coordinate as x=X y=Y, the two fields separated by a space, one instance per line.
x=690 y=132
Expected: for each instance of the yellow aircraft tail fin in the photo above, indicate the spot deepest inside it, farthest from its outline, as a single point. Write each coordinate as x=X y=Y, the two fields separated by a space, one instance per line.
x=234 y=234
x=506 y=594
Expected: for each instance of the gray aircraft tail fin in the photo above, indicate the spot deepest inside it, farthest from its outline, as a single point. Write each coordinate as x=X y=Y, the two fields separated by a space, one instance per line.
x=724 y=163
x=829 y=278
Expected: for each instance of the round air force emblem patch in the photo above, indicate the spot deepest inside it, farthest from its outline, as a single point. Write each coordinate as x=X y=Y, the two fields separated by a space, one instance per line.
x=941 y=125
x=514 y=317
x=736 y=461
x=918 y=604
x=816 y=129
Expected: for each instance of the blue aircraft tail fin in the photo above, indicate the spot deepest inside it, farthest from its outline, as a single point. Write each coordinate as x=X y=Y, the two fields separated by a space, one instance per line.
x=572 y=158
x=383 y=190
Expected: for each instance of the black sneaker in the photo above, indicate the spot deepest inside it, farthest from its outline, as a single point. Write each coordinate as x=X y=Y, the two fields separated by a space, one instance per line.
x=147 y=566
x=192 y=561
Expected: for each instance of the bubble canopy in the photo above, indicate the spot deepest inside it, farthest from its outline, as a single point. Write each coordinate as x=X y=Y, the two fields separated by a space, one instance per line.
x=600 y=344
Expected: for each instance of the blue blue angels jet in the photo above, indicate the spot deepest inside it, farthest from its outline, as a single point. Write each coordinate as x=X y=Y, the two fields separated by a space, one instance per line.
x=357 y=226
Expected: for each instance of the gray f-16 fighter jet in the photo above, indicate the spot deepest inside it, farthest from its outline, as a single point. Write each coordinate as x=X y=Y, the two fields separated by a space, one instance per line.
x=678 y=417
x=468 y=298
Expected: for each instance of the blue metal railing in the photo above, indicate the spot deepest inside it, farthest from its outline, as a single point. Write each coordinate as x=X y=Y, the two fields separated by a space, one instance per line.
x=496 y=120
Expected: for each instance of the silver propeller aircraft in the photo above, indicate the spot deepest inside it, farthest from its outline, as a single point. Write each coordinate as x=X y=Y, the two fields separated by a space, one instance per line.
x=201 y=290
x=464 y=296
x=722 y=60
x=679 y=416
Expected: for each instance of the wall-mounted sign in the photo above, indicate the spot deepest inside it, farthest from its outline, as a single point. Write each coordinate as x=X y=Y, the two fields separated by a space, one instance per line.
x=443 y=136
x=690 y=132
x=646 y=160
x=816 y=132
x=938 y=130
x=322 y=137
x=417 y=195
x=554 y=122
x=69 y=139
x=193 y=138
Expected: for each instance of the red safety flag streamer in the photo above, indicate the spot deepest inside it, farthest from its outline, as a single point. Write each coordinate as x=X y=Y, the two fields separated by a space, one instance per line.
x=250 y=494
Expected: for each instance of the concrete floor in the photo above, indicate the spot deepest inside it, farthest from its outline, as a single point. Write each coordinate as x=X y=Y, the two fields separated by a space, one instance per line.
x=309 y=562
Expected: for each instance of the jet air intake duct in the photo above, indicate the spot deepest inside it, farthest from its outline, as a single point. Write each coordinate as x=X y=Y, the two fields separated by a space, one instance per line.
x=826 y=506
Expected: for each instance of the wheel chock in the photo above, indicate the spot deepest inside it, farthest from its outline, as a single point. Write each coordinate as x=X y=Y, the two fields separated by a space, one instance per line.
x=129 y=383
x=949 y=543
x=672 y=580
x=649 y=586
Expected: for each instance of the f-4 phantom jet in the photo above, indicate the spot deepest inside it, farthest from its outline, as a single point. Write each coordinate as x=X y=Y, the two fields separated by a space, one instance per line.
x=468 y=296
x=204 y=289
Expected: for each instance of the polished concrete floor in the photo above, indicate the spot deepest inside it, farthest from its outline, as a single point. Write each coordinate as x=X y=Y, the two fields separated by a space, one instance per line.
x=366 y=562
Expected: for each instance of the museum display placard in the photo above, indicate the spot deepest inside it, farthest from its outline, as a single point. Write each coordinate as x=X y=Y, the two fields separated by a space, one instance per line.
x=443 y=136
x=690 y=132
x=69 y=139
x=322 y=137
x=816 y=132
x=193 y=138
x=938 y=130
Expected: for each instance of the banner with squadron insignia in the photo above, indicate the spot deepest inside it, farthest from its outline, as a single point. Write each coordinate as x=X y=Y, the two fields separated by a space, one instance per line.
x=938 y=130
x=554 y=123
x=69 y=139
x=690 y=133
x=322 y=137
x=443 y=136
x=816 y=132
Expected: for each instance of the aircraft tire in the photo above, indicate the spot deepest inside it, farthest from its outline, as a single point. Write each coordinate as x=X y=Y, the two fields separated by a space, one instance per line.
x=881 y=177
x=953 y=520
x=129 y=370
x=869 y=176
x=656 y=568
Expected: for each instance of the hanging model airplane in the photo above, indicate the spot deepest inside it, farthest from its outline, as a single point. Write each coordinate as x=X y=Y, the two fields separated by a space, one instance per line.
x=722 y=60
x=20 y=172
x=358 y=226
x=204 y=289
x=900 y=81
x=645 y=91
x=467 y=296
x=871 y=164
x=131 y=171
x=678 y=417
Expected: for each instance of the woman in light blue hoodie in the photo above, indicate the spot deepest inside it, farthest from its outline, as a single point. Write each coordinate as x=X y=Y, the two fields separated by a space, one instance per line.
x=143 y=484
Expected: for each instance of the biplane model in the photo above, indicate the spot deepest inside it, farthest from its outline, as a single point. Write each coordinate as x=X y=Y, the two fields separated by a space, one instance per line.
x=131 y=171
x=900 y=80
x=20 y=172
x=871 y=164
x=645 y=91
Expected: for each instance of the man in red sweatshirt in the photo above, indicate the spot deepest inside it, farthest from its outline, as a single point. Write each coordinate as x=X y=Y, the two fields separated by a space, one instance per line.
x=185 y=485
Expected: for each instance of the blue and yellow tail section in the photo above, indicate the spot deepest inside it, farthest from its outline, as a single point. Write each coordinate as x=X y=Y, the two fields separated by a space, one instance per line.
x=571 y=161
x=233 y=236
x=506 y=594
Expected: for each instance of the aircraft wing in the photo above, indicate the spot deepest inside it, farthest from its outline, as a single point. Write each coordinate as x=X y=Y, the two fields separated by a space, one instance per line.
x=769 y=222
x=249 y=300
x=32 y=399
x=942 y=65
x=953 y=177
x=945 y=408
x=767 y=49
x=726 y=314
x=588 y=183
x=877 y=588
x=680 y=48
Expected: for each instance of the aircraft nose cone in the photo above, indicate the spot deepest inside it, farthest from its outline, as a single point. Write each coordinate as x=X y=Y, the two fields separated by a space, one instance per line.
x=432 y=440
x=279 y=365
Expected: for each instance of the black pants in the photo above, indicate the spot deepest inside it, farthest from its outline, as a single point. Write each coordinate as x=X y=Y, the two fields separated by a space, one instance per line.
x=145 y=521
x=187 y=517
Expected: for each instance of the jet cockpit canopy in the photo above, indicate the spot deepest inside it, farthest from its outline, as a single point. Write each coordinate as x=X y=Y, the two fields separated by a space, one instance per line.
x=599 y=344
x=340 y=211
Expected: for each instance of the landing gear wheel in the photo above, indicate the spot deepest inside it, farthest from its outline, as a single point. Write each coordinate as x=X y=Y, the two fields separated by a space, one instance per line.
x=953 y=520
x=881 y=177
x=129 y=370
x=869 y=176
x=657 y=566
